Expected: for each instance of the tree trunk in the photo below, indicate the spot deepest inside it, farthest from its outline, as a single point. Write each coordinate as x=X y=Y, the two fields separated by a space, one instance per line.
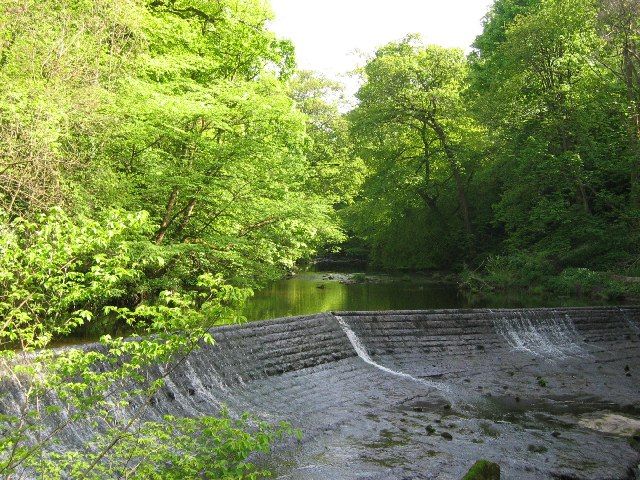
x=188 y=212
x=457 y=176
x=430 y=200
x=584 y=198
x=166 y=220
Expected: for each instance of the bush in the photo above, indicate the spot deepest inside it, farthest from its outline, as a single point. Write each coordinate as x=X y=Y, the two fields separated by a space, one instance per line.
x=518 y=270
x=57 y=273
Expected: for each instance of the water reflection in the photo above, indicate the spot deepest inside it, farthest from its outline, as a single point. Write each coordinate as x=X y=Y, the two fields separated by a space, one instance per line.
x=313 y=292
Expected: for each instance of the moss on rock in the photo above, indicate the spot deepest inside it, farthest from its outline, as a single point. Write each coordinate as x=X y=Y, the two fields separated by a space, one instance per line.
x=483 y=470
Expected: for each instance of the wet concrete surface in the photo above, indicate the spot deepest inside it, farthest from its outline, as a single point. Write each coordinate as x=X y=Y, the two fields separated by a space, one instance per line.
x=546 y=393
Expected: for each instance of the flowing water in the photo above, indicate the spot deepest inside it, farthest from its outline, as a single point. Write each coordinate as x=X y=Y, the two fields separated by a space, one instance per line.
x=361 y=350
x=550 y=336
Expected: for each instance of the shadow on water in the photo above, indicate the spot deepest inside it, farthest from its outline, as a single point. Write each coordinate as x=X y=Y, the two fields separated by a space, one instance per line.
x=313 y=292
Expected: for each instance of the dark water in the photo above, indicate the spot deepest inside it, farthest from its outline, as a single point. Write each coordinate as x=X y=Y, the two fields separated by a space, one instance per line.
x=314 y=292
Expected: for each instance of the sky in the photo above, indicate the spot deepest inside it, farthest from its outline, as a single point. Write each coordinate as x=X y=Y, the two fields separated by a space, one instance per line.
x=331 y=36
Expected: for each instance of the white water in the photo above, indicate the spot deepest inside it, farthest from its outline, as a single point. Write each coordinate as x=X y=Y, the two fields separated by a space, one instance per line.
x=547 y=337
x=361 y=350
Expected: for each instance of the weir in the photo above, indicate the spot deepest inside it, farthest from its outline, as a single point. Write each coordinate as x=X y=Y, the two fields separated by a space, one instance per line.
x=423 y=394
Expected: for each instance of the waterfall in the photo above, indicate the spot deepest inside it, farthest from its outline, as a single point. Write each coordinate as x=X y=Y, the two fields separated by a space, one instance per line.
x=362 y=352
x=554 y=337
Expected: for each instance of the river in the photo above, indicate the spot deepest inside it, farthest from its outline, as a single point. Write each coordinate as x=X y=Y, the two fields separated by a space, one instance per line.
x=313 y=292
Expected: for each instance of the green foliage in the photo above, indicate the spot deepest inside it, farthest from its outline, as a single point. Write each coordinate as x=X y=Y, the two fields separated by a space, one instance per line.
x=338 y=175
x=420 y=144
x=483 y=470
x=175 y=448
x=59 y=64
x=58 y=273
x=541 y=80
x=532 y=180
x=209 y=142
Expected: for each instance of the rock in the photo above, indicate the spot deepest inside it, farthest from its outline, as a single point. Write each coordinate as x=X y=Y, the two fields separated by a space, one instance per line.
x=611 y=423
x=483 y=470
x=489 y=430
x=555 y=434
x=446 y=436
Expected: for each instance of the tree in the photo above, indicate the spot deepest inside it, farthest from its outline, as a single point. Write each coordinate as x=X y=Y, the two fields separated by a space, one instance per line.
x=619 y=25
x=337 y=172
x=560 y=143
x=58 y=64
x=209 y=143
x=411 y=124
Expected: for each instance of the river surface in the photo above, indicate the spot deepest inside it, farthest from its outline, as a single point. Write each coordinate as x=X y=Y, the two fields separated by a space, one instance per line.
x=314 y=292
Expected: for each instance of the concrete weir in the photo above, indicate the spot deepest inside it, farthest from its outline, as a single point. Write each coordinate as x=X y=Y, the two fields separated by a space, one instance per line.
x=546 y=393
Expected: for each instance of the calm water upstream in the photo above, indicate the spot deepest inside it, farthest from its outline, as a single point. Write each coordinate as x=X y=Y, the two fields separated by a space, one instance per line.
x=313 y=292
x=316 y=292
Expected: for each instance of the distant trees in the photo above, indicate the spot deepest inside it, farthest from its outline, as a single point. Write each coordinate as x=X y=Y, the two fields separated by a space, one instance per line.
x=565 y=160
x=619 y=26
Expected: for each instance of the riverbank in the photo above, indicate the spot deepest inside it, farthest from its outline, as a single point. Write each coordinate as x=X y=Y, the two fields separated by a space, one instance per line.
x=572 y=282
